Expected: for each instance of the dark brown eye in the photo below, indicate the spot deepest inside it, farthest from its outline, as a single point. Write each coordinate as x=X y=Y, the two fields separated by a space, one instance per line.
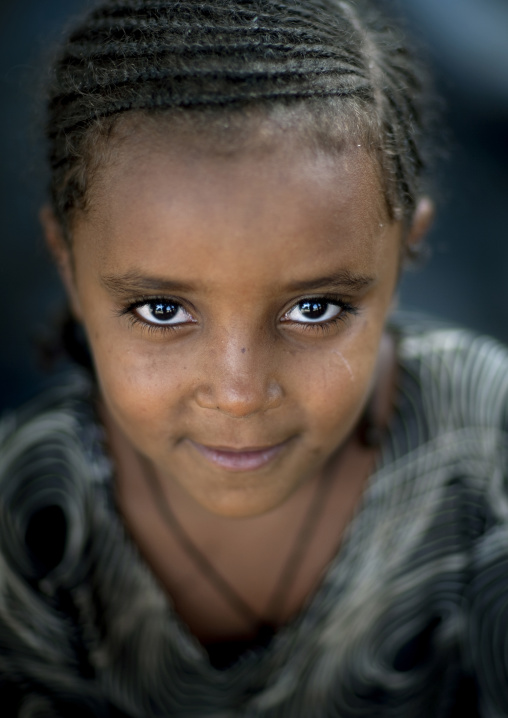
x=311 y=311
x=163 y=312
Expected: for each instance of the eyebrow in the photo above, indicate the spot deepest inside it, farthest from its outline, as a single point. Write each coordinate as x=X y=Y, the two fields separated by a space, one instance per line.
x=344 y=280
x=125 y=285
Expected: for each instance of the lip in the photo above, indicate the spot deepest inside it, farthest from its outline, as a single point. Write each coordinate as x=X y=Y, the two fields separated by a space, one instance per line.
x=240 y=459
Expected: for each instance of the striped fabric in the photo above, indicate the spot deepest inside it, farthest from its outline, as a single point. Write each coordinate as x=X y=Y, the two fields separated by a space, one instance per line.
x=410 y=620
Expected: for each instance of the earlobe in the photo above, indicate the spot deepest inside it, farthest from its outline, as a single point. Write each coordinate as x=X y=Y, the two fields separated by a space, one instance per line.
x=422 y=221
x=62 y=256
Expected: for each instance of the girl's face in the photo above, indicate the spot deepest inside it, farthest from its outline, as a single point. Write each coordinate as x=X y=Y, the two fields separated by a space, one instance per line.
x=234 y=306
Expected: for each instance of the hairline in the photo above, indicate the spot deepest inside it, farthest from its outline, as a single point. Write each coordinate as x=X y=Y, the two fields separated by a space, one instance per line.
x=231 y=130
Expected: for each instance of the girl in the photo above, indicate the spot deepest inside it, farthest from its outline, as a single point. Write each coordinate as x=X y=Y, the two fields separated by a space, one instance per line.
x=265 y=498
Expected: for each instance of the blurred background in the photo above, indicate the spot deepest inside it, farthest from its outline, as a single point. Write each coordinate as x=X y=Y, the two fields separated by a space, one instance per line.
x=465 y=280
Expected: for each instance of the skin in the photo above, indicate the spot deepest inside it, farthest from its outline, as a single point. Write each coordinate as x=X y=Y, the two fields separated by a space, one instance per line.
x=242 y=370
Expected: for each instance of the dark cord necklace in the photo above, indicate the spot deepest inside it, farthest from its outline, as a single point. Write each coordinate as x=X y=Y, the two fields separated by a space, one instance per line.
x=266 y=624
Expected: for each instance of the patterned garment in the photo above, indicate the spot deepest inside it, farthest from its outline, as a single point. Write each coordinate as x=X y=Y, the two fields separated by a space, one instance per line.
x=411 y=619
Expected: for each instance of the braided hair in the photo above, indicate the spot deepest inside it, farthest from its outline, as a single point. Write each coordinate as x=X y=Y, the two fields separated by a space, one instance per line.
x=335 y=63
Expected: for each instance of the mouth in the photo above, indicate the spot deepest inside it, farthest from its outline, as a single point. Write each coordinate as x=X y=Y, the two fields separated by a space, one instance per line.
x=240 y=459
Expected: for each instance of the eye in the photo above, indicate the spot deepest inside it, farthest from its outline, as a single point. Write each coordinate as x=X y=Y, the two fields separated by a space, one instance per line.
x=162 y=312
x=314 y=311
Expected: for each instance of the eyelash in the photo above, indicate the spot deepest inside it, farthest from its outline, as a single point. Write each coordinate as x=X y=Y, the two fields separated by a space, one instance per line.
x=135 y=320
x=347 y=311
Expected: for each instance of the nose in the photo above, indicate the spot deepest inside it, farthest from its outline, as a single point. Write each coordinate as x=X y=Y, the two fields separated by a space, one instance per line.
x=239 y=380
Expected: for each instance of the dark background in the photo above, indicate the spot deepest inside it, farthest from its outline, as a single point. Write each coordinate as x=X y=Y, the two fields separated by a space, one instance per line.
x=466 y=278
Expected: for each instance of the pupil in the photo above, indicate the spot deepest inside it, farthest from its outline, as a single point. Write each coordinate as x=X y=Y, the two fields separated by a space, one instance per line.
x=313 y=309
x=163 y=310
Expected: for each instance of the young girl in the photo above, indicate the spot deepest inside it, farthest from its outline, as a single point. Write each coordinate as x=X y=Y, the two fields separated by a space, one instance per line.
x=265 y=497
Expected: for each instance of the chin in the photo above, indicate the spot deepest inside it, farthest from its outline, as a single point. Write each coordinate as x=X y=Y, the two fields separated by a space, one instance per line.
x=241 y=507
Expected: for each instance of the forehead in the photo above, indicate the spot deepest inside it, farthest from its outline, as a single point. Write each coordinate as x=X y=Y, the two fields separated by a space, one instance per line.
x=168 y=200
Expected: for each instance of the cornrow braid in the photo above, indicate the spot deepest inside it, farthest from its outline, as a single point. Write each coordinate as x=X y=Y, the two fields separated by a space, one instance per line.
x=334 y=58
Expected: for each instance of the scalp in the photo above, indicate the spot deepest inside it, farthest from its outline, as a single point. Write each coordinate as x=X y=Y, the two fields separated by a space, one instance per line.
x=336 y=69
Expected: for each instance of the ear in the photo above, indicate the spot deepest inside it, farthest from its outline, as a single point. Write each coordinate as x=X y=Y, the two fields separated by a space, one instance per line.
x=62 y=255
x=422 y=221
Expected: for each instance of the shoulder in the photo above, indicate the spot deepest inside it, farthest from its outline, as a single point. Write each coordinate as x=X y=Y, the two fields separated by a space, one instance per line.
x=47 y=470
x=462 y=376
x=47 y=465
x=463 y=388
x=450 y=433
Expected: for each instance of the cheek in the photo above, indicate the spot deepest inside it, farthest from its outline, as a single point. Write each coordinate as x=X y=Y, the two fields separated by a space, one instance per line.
x=333 y=383
x=141 y=388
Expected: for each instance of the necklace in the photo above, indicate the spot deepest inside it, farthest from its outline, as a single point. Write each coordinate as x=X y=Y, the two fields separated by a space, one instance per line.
x=266 y=624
